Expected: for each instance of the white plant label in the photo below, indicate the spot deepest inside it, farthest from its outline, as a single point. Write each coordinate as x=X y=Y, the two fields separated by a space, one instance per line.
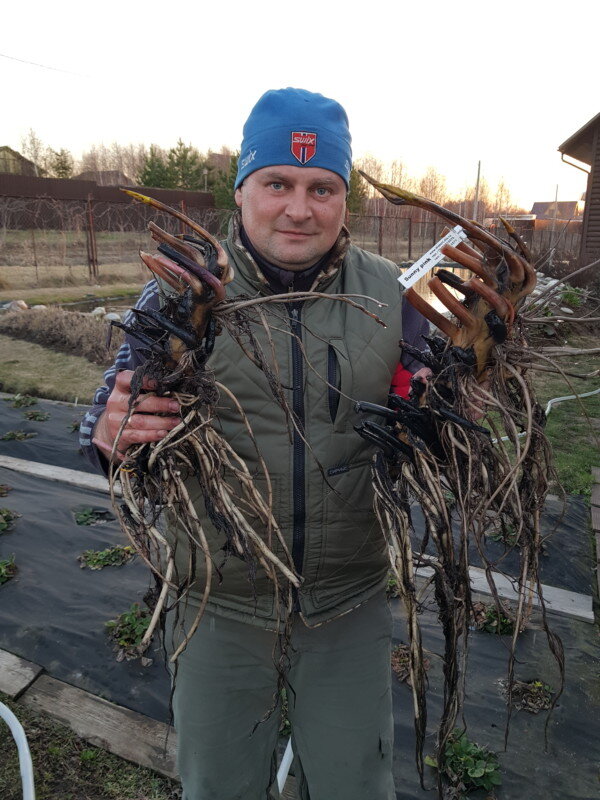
x=431 y=257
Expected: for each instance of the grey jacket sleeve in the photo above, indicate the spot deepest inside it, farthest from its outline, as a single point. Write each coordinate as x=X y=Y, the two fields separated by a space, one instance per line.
x=128 y=357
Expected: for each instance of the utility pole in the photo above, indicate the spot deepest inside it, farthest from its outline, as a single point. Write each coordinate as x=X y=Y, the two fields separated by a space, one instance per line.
x=476 y=201
x=553 y=228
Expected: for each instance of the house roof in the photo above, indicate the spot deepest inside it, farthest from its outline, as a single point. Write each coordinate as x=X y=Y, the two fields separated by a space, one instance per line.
x=106 y=177
x=564 y=209
x=7 y=154
x=580 y=144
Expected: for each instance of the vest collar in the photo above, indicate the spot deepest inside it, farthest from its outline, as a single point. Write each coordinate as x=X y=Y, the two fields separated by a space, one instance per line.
x=328 y=266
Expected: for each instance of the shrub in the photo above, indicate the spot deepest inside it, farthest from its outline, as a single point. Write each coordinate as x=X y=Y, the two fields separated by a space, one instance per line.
x=92 y=516
x=7 y=517
x=111 y=557
x=466 y=765
x=8 y=569
x=127 y=631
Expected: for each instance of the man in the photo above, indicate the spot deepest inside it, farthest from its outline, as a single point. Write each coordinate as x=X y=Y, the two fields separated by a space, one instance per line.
x=291 y=188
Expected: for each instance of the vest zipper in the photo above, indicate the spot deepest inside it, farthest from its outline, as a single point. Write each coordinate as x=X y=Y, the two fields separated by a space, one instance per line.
x=298 y=477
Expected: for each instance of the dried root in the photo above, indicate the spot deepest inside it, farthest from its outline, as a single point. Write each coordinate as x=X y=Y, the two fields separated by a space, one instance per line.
x=162 y=482
x=475 y=431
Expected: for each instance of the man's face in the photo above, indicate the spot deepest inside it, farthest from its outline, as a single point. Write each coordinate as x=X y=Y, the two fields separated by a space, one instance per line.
x=292 y=215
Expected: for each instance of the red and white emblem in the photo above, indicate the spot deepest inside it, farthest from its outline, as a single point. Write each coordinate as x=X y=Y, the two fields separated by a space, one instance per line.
x=303 y=145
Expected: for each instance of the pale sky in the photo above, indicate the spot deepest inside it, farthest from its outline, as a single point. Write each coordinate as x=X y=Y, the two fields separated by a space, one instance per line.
x=434 y=82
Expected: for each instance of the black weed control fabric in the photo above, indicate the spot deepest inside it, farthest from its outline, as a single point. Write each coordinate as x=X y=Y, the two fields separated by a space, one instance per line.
x=569 y=768
x=53 y=613
x=567 y=557
x=56 y=440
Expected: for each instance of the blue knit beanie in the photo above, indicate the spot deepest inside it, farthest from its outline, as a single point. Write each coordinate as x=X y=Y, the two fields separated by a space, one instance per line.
x=299 y=128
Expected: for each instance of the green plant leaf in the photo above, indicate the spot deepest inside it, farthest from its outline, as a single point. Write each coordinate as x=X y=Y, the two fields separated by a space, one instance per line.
x=477 y=770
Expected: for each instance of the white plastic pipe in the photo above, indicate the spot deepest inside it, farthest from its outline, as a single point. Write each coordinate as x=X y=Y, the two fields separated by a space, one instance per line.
x=25 y=763
x=284 y=767
x=568 y=397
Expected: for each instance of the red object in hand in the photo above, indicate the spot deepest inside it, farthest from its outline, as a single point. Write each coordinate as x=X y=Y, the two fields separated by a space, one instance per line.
x=401 y=381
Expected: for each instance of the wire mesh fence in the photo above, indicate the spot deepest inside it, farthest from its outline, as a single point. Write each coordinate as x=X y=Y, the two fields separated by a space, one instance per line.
x=45 y=239
x=397 y=238
x=48 y=241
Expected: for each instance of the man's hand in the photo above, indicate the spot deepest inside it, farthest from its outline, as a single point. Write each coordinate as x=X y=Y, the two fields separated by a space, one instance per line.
x=146 y=423
x=422 y=374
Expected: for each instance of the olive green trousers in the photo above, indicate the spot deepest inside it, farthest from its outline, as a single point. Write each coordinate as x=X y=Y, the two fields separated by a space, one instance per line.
x=339 y=707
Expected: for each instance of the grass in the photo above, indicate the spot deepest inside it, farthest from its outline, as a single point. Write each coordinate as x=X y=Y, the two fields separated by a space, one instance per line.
x=68 y=768
x=573 y=427
x=58 y=276
x=28 y=368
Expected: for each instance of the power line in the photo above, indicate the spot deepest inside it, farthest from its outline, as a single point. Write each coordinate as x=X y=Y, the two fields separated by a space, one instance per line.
x=43 y=66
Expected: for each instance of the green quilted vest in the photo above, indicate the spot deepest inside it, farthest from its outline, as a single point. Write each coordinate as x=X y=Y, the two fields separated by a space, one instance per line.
x=322 y=494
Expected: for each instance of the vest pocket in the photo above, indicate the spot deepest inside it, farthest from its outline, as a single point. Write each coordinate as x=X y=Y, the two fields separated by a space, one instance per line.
x=333 y=380
x=339 y=384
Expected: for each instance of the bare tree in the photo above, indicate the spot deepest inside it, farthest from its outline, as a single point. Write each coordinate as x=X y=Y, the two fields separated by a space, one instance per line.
x=36 y=151
x=502 y=200
x=373 y=167
x=433 y=186
x=399 y=176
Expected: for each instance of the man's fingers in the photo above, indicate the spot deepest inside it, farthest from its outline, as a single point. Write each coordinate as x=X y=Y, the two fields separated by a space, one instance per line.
x=143 y=422
x=137 y=436
x=151 y=404
x=123 y=381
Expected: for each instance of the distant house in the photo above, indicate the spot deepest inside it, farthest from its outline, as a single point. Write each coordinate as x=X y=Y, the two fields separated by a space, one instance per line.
x=563 y=210
x=584 y=146
x=14 y=163
x=106 y=177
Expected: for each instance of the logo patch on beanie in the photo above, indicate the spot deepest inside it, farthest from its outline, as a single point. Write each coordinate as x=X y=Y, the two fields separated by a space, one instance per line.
x=303 y=145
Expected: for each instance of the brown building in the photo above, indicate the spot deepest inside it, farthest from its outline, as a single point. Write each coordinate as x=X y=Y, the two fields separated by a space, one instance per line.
x=106 y=177
x=14 y=163
x=584 y=146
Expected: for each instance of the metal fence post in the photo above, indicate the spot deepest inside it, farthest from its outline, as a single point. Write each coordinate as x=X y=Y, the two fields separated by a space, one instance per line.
x=410 y=238
x=380 y=237
x=35 y=261
x=92 y=249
